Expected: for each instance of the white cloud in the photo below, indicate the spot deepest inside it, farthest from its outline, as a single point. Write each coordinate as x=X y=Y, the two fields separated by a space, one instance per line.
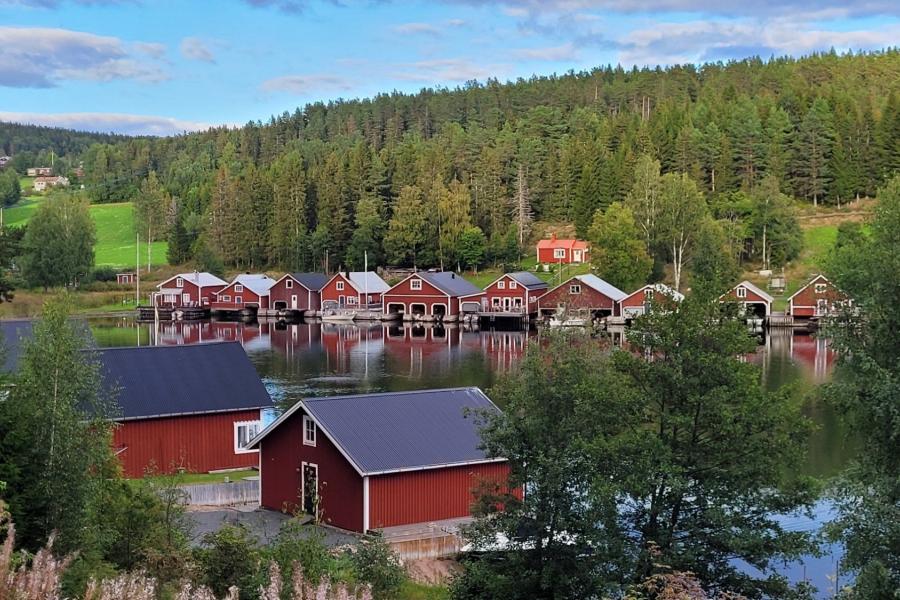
x=417 y=29
x=302 y=85
x=446 y=70
x=194 y=48
x=563 y=52
x=108 y=122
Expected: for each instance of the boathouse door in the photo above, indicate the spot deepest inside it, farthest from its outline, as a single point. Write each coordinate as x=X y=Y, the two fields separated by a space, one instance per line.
x=310 y=485
x=294 y=302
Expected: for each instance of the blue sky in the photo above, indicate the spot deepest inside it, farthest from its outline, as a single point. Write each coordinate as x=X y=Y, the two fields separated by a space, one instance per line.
x=164 y=66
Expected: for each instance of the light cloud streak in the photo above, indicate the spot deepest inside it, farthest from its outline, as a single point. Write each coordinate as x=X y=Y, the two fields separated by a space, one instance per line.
x=303 y=85
x=108 y=122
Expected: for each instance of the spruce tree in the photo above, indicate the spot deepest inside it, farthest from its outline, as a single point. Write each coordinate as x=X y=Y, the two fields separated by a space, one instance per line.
x=813 y=151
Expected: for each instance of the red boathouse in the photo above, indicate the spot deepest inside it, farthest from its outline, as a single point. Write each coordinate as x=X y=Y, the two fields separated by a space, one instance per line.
x=755 y=301
x=187 y=290
x=639 y=301
x=556 y=251
x=298 y=291
x=818 y=298
x=354 y=289
x=246 y=291
x=587 y=295
x=184 y=407
x=372 y=461
x=515 y=293
x=428 y=296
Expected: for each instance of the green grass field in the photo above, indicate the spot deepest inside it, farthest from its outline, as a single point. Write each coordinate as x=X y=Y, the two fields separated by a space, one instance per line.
x=115 y=232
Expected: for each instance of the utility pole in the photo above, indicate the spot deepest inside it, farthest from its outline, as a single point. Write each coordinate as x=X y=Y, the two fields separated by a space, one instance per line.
x=137 y=270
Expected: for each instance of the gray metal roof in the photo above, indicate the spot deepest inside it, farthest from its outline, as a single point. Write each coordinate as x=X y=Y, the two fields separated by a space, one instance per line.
x=528 y=280
x=311 y=281
x=258 y=283
x=201 y=279
x=605 y=288
x=367 y=282
x=15 y=335
x=450 y=283
x=157 y=381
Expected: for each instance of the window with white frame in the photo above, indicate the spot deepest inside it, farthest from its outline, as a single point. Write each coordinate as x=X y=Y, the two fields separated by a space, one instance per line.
x=238 y=300
x=309 y=431
x=415 y=284
x=351 y=299
x=741 y=292
x=559 y=253
x=648 y=294
x=288 y=283
x=575 y=288
x=340 y=286
x=501 y=285
x=512 y=285
x=821 y=287
x=238 y=288
x=244 y=431
x=225 y=298
x=179 y=283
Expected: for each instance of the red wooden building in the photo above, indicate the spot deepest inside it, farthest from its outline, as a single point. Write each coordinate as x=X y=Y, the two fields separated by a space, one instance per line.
x=427 y=296
x=298 y=291
x=187 y=290
x=353 y=289
x=246 y=291
x=639 y=301
x=184 y=407
x=587 y=295
x=126 y=278
x=556 y=251
x=818 y=298
x=514 y=293
x=755 y=301
x=378 y=460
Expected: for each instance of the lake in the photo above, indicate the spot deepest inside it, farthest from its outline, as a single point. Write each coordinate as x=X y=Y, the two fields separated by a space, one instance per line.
x=297 y=360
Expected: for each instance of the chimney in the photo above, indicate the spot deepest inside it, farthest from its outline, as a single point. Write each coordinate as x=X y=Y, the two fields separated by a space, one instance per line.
x=553 y=237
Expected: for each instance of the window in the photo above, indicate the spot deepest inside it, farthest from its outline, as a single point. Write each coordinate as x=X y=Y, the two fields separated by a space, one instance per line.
x=501 y=285
x=225 y=298
x=179 y=283
x=244 y=431
x=648 y=294
x=512 y=285
x=288 y=283
x=351 y=299
x=821 y=287
x=340 y=286
x=741 y=292
x=238 y=300
x=559 y=253
x=309 y=432
x=185 y=298
x=238 y=288
x=415 y=284
x=575 y=288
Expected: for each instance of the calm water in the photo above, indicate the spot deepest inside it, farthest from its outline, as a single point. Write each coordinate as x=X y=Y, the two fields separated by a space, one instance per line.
x=315 y=359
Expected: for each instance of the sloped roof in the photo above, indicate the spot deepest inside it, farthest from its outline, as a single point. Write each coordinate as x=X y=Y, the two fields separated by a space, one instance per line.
x=367 y=282
x=399 y=431
x=159 y=381
x=558 y=243
x=528 y=280
x=815 y=279
x=201 y=279
x=311 y=281
x=15 y=335
x=258 y=283
x=756 y=290
x=605 y=288
x=450 y=283
x=661 y=288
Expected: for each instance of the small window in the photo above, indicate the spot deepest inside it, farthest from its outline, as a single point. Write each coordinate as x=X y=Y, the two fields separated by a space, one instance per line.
x=238 y=300
x=559 y=253
x=288 y=283
x=340 y=286
x=415 y=284
x=501 y=285
x=512 y=285
x=244 y=431
x=575 y=288
x=648 y=294
x=238 y=288
x=225 y=298
x=309 y=432
x=351 y=299
x=821 y=287
x=179 y=283
x=741 y=292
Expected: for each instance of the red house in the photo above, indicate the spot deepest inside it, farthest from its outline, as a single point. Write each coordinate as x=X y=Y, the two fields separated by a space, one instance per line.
x=125 y=278
x=378 y=460
x=184 y=407
x=639 y=301
x=514 y=293
x=754 y=300
x=426 y=296
x=556 y=251
x=818 y=298
x=353 y=288
x=298 y=291
x=587 y=295
x=187 y=290
x=246 y=291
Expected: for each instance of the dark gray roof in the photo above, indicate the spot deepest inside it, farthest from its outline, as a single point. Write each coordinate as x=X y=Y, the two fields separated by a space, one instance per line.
x=156 y=381
x=311 y=281
x=528 y=280
x=15 y=335
x=450 y=283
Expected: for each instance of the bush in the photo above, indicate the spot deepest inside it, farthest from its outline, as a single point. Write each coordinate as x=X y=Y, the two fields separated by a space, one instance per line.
x=104 y=273
x=230 y=557
x=298 y=544
x=374 y=563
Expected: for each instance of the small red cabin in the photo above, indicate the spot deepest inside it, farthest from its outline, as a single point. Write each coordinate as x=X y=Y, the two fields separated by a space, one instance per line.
x=639 y=301
x=818 y=298
x=184 y=407
x=556 y=251
x=427 y=296
x=372 y=461
x=298 y=291
x=187 y=290
x=754 y=300
x=249 y=290
x=125 y=278
x=354 y=289
x=514 y=293
x=585 y=294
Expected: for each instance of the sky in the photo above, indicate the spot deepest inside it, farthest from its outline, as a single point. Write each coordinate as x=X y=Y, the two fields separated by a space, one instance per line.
x=162 y=67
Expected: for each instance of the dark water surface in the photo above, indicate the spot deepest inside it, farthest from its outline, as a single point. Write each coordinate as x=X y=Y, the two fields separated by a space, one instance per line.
x=296 y=360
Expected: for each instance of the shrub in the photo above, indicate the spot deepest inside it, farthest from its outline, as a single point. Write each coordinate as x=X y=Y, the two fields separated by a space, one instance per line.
x=104 y=273
x=374 y=563
x=230 y=557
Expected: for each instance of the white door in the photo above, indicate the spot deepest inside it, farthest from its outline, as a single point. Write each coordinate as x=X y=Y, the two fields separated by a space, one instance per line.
x=294 y=301
x=185 y=299
x=577 y=257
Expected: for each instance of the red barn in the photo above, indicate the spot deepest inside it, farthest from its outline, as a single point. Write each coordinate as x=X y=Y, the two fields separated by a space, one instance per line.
x=187 y=290
x=556 y=251
x=378 y=460
x=353 y=289
x=191 y=407
x=298 y=291
x=246 y=291
x=639 y=301
x=818 y=298
x=514 y=293
x=426 y=296
x=754 y=300
x=585 y=294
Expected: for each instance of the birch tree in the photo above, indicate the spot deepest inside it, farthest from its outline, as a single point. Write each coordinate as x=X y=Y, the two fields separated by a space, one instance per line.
x=644 y=198
x=682 y=209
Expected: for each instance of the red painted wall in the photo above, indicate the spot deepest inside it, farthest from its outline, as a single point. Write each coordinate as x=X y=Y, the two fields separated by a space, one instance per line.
x=589 y=298
x=545 y=255
x=751 y=296
x=199 y=443
x=805 y=302
x=428 y=295
x=330 y=293
x=529 y=298
x=340 y=486
x=247 y=296
x=431 y=495
x=306 y=299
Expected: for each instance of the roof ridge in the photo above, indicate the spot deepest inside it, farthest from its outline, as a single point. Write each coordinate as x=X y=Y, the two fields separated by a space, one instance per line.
x=398 y=393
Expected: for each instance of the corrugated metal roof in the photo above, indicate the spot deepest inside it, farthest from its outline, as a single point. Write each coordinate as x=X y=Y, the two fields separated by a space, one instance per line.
x=15 y=335
x=605 y=288
x=311 y=281
x=156 y=381
x=450 y=283
x=201 y=279
x=529 y=280
x=368 y=282
x=258 y=283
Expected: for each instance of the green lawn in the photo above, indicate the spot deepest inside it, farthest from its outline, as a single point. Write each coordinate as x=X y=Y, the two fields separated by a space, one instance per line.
x=19 y=213
x=196 y=478
x=486 y=276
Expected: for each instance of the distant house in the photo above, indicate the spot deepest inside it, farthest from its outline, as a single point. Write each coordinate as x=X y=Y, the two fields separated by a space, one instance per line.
x=353 y=288
x=639 y=301
x=185 y=407
x=41 y=184
x=818 y=298
x=249 y=290
x=586 y=294
x=432 y=297
x=372 y=461
x=4 y=160
x=556 y=251
x=126 y=278
x=298 y=291
x=187 y=290
x=754 y=300
x=39 y=171
x=514 y=293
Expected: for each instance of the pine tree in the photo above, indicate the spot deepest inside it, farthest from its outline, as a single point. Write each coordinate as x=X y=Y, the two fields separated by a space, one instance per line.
x=289 y=213
x=888 y=138
x=522 y=214
x=745 y=130
x=179 y=249
x=814 y=147
x=778 y=149
x=409 y=230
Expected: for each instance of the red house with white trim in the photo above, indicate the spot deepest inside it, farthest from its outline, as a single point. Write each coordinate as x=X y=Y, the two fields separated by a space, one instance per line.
x=514 y=293
x=428 y=296
x=297 y=291
x=353 y=289
x=373 y=461
x=818 y=298
x=754 y=300
x=246 y=291
x=556 y=251
x=187 y=290
x=639 y=301
x=585 y=294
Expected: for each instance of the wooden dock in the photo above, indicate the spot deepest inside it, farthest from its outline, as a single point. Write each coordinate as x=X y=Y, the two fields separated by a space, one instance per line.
x=169 y=313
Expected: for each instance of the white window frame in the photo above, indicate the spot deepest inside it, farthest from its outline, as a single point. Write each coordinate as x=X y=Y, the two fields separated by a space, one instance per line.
x=415 y=284
x=309 y=441
x=185 y=298
x=289 y=283
x=575 y=288
x=238 y=300
x=821 y=288
x=559 y=253
x=512 y=284
x=648 y=294
x=501 y=285
x=741 y=292
x=179 y=282
x=238 y=288
x=225 y=298
x=339 y=286
x=238 y=449
x=351 y=300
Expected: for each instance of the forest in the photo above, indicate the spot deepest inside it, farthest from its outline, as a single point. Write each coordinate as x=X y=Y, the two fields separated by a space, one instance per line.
x=455 y=177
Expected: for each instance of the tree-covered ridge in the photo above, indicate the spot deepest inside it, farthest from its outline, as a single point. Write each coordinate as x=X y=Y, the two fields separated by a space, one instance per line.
x=31 y=145
x=403 y=176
